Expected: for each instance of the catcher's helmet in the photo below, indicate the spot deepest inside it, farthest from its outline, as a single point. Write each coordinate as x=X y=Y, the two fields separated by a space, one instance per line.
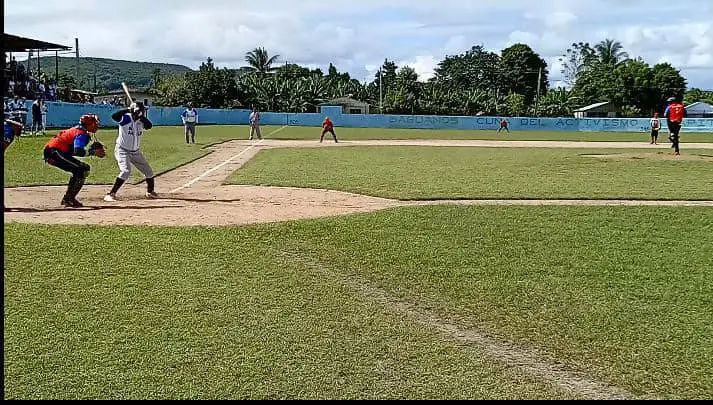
x=90 y=122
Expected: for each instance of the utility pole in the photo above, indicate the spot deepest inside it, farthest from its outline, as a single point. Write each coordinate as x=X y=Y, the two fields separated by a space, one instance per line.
x=381 y=93
x=76 y=52
x=537 y=100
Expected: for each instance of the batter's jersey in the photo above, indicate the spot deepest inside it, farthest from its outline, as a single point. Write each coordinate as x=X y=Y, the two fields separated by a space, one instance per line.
x=130 y=132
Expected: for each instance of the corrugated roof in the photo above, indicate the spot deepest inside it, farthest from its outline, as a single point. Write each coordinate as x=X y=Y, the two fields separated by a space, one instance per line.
x=593 y=106
x=700 y=105
x=13 y=43
x=344 y=101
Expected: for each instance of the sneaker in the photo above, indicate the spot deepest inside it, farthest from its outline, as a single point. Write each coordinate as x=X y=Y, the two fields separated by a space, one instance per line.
x=109 y=198
x=152 y=194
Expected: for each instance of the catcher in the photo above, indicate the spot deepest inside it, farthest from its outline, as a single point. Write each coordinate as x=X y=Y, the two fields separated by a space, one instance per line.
x=61 y=150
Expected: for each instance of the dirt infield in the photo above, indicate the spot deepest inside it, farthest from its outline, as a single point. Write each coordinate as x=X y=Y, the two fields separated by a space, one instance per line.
x=192 y=195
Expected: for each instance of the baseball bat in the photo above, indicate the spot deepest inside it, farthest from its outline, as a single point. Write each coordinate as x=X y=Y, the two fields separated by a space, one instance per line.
x=126 y=91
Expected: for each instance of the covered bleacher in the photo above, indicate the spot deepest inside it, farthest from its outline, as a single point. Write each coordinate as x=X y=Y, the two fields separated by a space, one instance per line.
x=23 y=78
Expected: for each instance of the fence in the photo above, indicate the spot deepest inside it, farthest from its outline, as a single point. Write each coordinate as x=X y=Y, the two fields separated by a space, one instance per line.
x=67 y=114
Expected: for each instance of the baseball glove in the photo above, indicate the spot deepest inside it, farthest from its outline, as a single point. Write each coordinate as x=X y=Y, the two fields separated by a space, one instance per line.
x=97 y=149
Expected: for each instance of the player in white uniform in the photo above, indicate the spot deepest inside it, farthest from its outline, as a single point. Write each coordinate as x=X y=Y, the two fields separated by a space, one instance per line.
x=255 y=124
x=132 y=123
x=190 y=119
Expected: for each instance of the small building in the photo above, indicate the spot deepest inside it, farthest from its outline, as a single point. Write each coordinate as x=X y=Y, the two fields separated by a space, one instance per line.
x=349 y=105
x=598 y=110
x=118 y=95
x=700 y=110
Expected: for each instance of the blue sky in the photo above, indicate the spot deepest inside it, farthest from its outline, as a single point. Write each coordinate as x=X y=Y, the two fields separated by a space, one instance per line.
x=357 y=35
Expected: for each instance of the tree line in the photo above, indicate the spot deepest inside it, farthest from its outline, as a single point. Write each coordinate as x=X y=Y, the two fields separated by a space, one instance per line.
x=514 y=82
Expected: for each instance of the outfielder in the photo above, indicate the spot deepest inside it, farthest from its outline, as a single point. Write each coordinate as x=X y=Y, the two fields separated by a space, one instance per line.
x=190 y=119
x=255 y=124
x=132 y=123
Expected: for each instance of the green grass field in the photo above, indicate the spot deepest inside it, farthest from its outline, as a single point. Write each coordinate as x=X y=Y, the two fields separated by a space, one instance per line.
x=378 y=133
x=164 y=147
x=271 y=312
x=350 y=307
x=421 y=173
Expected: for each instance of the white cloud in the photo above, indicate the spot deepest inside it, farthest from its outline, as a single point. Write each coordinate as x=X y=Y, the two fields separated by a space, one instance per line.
x=357 y=36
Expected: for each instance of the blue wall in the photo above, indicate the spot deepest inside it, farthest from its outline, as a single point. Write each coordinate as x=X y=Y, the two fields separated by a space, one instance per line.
x=67 y=114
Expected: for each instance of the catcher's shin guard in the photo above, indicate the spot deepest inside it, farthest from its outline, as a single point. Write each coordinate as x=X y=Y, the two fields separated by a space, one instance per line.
x=73 y=188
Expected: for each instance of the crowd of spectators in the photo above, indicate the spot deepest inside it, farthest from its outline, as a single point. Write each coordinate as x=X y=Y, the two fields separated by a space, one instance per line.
x=17 y=81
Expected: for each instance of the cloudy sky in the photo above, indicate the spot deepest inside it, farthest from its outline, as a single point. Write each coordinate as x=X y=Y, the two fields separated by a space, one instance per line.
x=357 y=35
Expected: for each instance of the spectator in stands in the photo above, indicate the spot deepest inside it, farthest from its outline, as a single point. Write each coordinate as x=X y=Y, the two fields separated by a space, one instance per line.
x=16 y=107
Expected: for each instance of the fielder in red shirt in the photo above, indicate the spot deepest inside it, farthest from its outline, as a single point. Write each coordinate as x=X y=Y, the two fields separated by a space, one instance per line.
x=328 y=126
x=675 y=113
x=504 y=125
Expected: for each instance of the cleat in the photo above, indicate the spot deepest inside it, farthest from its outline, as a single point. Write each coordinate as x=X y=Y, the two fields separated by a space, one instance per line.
x=152 y=194
x=71 y=203
x=109 y=198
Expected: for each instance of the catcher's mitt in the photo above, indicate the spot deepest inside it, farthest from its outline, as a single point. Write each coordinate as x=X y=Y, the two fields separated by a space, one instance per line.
x=97 y=149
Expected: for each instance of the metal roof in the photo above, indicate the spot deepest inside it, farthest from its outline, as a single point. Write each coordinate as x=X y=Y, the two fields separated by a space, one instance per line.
x=593 y=106
x=14 y=43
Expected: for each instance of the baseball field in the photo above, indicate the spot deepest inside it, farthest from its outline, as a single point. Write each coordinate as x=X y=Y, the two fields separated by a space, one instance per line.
x=394 y=264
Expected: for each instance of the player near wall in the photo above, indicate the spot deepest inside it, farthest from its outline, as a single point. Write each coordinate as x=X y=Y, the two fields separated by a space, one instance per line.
x=255 y=124
x=655 y=128
x=327 y=126
x=132 y=123
x=504 y=125
x=190 y=119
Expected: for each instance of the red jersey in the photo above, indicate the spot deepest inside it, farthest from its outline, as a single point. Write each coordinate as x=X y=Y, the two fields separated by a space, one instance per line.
x=675 y=112
x=503 y=124
x=69 y=139
x=328 y=125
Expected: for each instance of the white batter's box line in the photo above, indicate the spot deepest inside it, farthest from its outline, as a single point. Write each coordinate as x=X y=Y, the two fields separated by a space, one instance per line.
x=209 y=171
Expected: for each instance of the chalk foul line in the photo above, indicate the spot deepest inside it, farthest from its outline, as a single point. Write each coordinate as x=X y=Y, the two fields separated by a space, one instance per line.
x=209 y=171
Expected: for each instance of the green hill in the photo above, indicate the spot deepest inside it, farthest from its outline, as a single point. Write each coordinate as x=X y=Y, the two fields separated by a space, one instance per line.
x=109 y=72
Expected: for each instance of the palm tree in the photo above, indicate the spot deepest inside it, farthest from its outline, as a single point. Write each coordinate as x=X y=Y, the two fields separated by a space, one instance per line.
x=610 y=52
x=260 y=62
